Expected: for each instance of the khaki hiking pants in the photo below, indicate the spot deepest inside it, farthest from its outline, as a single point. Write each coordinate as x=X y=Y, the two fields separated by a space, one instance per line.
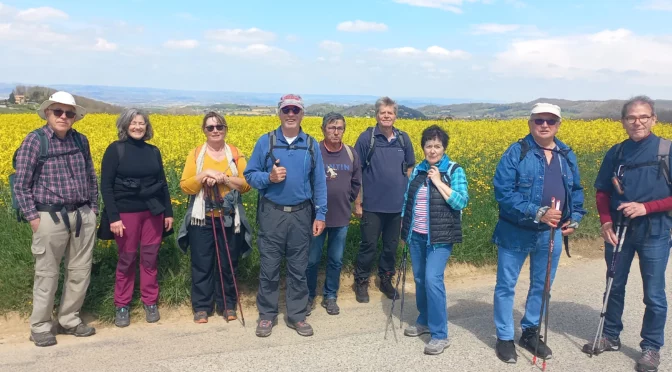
x=51 y=242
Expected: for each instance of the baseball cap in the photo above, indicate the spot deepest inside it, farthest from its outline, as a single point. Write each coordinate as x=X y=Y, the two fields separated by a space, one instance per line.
x=547 y=108
x=291 y=100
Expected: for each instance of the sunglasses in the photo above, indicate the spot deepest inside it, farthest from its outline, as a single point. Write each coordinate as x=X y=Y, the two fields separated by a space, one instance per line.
x=68 y=114
x=294 y=109
x=547 y=121
x=220 y=127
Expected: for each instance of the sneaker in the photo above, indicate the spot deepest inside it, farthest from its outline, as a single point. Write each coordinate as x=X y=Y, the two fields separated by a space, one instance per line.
x=362 y=291
x=302 y=328
x=529 y=341
x=310 y=306
x=506 y=351
x=43 y=339
x=231 y=315
x=416 y=330
x=200 y=317
x=122 y=317
x=648 y=361
x=331 y=306
x=265 y=327
x=152 y=313
x=386 y=286
x=436 y=347
x=82 y=330
x=603 y=344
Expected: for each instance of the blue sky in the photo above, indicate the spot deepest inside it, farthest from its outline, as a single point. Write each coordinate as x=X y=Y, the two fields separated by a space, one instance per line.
x=503 y=50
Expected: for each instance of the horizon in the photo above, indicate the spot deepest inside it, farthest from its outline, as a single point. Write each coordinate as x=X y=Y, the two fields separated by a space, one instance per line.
x=489 y=51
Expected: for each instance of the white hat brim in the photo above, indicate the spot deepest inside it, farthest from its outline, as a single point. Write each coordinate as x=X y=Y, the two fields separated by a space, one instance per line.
x=79 y=110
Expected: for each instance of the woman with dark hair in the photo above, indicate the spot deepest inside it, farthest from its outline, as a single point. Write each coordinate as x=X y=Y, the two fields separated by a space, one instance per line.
x=431 y=224
x=137 y=211
x=214 y=165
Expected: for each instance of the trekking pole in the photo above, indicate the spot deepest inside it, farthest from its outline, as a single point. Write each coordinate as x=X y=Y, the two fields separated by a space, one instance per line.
x=214 y=234
x=616 y=250
x=394 y=298
x=546 y=296
x=403 y=285
x=228 y=254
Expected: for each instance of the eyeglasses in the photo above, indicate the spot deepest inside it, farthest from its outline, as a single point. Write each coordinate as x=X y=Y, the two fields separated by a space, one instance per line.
x=336 y=129
x=68 y=114
x=642 y=119
x=294 y=109
x=220 y=127
x=550 y=122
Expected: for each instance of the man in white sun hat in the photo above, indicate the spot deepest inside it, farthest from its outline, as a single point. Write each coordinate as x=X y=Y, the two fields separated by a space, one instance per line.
x=531 y=174
x=56 y=191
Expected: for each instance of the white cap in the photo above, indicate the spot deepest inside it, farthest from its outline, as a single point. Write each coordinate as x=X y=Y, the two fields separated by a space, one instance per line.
x=64 y=98
x=548 y=108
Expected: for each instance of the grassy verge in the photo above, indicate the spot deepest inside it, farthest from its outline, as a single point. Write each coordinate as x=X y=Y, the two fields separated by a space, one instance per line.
x=16 y=261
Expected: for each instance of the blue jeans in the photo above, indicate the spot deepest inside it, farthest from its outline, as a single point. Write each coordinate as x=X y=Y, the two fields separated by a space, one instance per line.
x=335 y=237
x=653 y=253
x=429 y=262
x=509 y=264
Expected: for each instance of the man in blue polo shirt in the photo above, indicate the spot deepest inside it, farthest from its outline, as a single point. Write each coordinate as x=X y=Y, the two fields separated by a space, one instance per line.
x=531 y=173
x=387 y=159
x=292 y=186
x=638 y=166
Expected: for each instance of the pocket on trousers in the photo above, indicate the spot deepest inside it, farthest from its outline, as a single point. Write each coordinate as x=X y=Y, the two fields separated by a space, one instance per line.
x=38 y=247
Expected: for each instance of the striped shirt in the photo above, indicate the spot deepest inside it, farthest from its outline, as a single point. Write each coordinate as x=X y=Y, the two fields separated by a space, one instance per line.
x=65 y=177
x=420 y=224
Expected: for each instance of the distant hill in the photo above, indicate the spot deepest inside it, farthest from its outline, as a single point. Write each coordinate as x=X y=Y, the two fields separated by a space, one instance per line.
x=35 y=95
x=363 y=110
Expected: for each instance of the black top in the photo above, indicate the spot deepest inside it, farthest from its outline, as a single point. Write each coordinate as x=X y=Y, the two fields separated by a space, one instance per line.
x=137 y=183
x=554 y=186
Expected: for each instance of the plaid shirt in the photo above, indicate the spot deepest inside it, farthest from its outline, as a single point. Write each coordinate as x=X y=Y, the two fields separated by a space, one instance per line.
x=65 y=177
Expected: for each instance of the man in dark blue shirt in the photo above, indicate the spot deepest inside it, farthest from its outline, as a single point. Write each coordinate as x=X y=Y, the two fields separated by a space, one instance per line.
x=645 y=198
x=292 y=183
x=387 y=160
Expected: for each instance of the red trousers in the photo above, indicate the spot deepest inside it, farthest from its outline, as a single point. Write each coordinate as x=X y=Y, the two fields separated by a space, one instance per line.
x=144 y=231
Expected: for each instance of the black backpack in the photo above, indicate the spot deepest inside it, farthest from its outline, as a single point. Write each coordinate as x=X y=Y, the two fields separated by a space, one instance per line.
x=41 y=159
x=663 y=160
x=372 y=147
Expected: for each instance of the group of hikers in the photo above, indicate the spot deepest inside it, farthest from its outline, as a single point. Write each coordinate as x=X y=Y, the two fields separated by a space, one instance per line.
x=306 y=194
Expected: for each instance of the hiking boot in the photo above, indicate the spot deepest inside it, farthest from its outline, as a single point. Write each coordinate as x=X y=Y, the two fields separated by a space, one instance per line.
x=386 y=286
x=310 y=306
x=265 y=327
x=82 y=330
x=43 y=339
x=529 y=341
x=506 y=351
x=330 y=305
x=231 y=315
x=603 y=344
x=302 y=328
x=436 y=347
x=200 y=317
x=416 y=330
x=152 y=313
x=362 y=291
x=122 y=317
x=648 y=362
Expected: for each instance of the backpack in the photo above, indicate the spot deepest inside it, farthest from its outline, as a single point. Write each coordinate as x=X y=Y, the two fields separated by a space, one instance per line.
x=663 y=161
x=42 y=158
x=348 y=149
x=372 y=147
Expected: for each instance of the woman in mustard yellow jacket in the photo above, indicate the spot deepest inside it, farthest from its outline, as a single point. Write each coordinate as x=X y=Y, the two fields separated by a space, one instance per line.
x=214 y=163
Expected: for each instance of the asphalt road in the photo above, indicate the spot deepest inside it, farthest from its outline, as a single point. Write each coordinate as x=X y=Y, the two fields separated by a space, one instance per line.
x=354 y=340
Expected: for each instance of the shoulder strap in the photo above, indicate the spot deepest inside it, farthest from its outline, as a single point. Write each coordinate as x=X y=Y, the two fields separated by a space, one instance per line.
x=400 y=138
x=664 y=158
x=42 y=156
x=451 y=169
x=524 y=148
x=79 y=143
x=271 y=144
x=121 y=148
x=372 y=147
x=349 y=151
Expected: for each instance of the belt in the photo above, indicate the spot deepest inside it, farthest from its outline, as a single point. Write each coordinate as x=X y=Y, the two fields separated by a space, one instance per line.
x=288 y=208
x=63 y=209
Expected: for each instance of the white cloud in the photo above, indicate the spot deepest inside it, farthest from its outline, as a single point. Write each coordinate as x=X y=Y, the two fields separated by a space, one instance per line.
x=494 y=28
x=664 y=5
x=104 y=45
x=403 y=51
x=292 y=38
x=361 y=26
x=250 y=36
x=40 y=14
x=30 y=33
x=331 y=46
x=431 y=52
x=180 y=44
x=252 y=50
x=600 y=56
x=516 y=3
x=437 y=51
x=447 y=5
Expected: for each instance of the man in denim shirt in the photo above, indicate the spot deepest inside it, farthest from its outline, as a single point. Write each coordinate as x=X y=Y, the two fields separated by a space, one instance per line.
x=525 y=182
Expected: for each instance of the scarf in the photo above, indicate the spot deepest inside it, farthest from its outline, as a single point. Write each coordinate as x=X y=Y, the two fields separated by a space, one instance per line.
x=198 y=211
